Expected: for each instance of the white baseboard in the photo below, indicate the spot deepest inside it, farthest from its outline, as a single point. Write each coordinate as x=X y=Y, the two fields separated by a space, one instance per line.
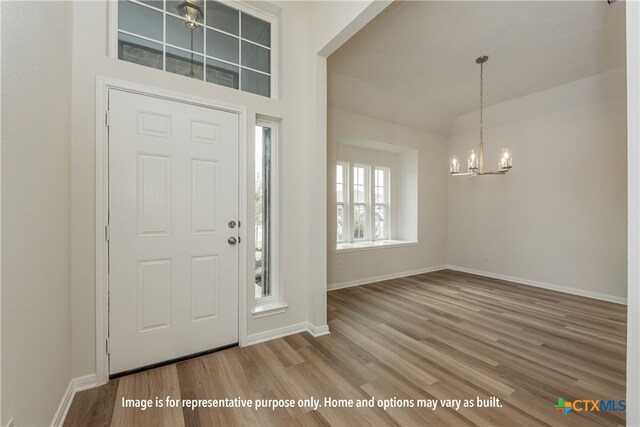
x=317 y=331
x=550 y=286
x=75 y=385
x=358 y=282
x=273 y=334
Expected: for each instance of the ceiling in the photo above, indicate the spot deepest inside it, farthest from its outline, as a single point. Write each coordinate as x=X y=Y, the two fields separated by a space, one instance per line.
x=414 y=64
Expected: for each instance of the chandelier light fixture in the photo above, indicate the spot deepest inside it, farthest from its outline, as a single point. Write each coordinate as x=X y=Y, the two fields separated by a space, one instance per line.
x=191 y=12
x=193 y=15
x=475 y=161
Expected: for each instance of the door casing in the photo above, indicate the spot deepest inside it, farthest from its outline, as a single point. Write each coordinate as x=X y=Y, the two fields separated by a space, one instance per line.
x=103 y=84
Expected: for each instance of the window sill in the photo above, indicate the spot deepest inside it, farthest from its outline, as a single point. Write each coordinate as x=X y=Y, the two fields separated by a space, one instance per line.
x=269 y=309
x=378 y=244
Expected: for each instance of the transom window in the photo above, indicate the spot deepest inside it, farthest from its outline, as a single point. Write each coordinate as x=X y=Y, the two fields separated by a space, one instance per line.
x=362 y=202
x=201 y=39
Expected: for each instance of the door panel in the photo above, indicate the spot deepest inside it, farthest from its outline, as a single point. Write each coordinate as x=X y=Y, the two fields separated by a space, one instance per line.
x=173 y=186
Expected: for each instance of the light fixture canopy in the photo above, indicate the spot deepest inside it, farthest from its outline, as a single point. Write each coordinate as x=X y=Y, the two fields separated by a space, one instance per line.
x=475 y=161
x=191 y=12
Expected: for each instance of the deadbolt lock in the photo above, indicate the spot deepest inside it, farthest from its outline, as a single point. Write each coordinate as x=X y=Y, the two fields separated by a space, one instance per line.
x=232 y=224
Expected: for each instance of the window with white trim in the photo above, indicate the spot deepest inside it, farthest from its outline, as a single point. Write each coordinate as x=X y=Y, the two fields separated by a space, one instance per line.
x=362 y=203
x=201 y=39
x=265 y=232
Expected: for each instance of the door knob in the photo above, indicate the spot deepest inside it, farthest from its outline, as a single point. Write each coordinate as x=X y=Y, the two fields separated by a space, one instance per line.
x=232 y=240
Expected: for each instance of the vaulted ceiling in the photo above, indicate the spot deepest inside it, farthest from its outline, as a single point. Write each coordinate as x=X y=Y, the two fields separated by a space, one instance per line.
x=415 y=63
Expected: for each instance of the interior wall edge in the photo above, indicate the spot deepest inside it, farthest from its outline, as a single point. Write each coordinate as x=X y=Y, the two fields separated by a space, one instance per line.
x=633 y=211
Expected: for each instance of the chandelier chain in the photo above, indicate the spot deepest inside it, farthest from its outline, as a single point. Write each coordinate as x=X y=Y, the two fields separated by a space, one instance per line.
x=481 y=101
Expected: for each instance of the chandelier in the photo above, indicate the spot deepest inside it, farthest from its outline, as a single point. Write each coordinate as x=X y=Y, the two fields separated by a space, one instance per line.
x=475 y=161
x=193 y=14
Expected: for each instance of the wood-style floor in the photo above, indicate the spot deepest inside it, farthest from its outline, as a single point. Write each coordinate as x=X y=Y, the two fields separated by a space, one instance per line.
x=443 y=335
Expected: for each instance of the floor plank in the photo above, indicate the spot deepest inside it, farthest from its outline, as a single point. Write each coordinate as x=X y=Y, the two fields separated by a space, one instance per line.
x=441 y=335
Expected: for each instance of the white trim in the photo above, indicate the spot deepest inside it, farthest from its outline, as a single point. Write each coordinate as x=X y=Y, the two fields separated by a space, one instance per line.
x=112 y=27
x=264 y=310
x=543 y=285
x=315 y=331
x=75 y=385
x=367 y=245
x=633 y=213
x=367 y=280
x=518 y=280
x=103 y=85
x=101 y=220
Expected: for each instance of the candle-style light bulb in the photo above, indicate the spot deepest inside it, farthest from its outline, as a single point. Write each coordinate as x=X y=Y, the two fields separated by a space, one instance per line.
x=506 y=159
x=473 y=161
x=454 y=166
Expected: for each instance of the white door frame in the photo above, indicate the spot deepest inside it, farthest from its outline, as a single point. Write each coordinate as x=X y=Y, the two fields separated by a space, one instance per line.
x=103 y=84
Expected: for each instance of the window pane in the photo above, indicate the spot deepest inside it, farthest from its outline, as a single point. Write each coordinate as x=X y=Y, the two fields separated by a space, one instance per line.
x=262 y=179
x=155 y=3
x=258 y=210
x=256 y=57
x=222 y=17
x=380 y=222
x=256 y=83
x=358 y=185
x=185 y=63
x=222 y=73
x=358 y=222
x=340 y=222
x=178 y=34
x=339 y=184
x=381 y=186
x=222 y=46
x=140 y=20
x=139 y=51
x=256 y=30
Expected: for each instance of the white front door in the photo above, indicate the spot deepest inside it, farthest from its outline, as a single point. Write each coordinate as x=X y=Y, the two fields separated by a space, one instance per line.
x=173 y=264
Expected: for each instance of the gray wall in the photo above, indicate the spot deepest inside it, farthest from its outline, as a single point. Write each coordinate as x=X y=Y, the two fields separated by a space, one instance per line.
x=36 y=138
x=559 y=217
x=431 y=251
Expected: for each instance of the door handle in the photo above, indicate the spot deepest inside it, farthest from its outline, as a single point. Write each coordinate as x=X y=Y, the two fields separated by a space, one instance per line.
x=232 y=240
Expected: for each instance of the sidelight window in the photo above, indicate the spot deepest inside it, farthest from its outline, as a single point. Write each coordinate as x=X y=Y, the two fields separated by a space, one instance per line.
x=265 y=181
